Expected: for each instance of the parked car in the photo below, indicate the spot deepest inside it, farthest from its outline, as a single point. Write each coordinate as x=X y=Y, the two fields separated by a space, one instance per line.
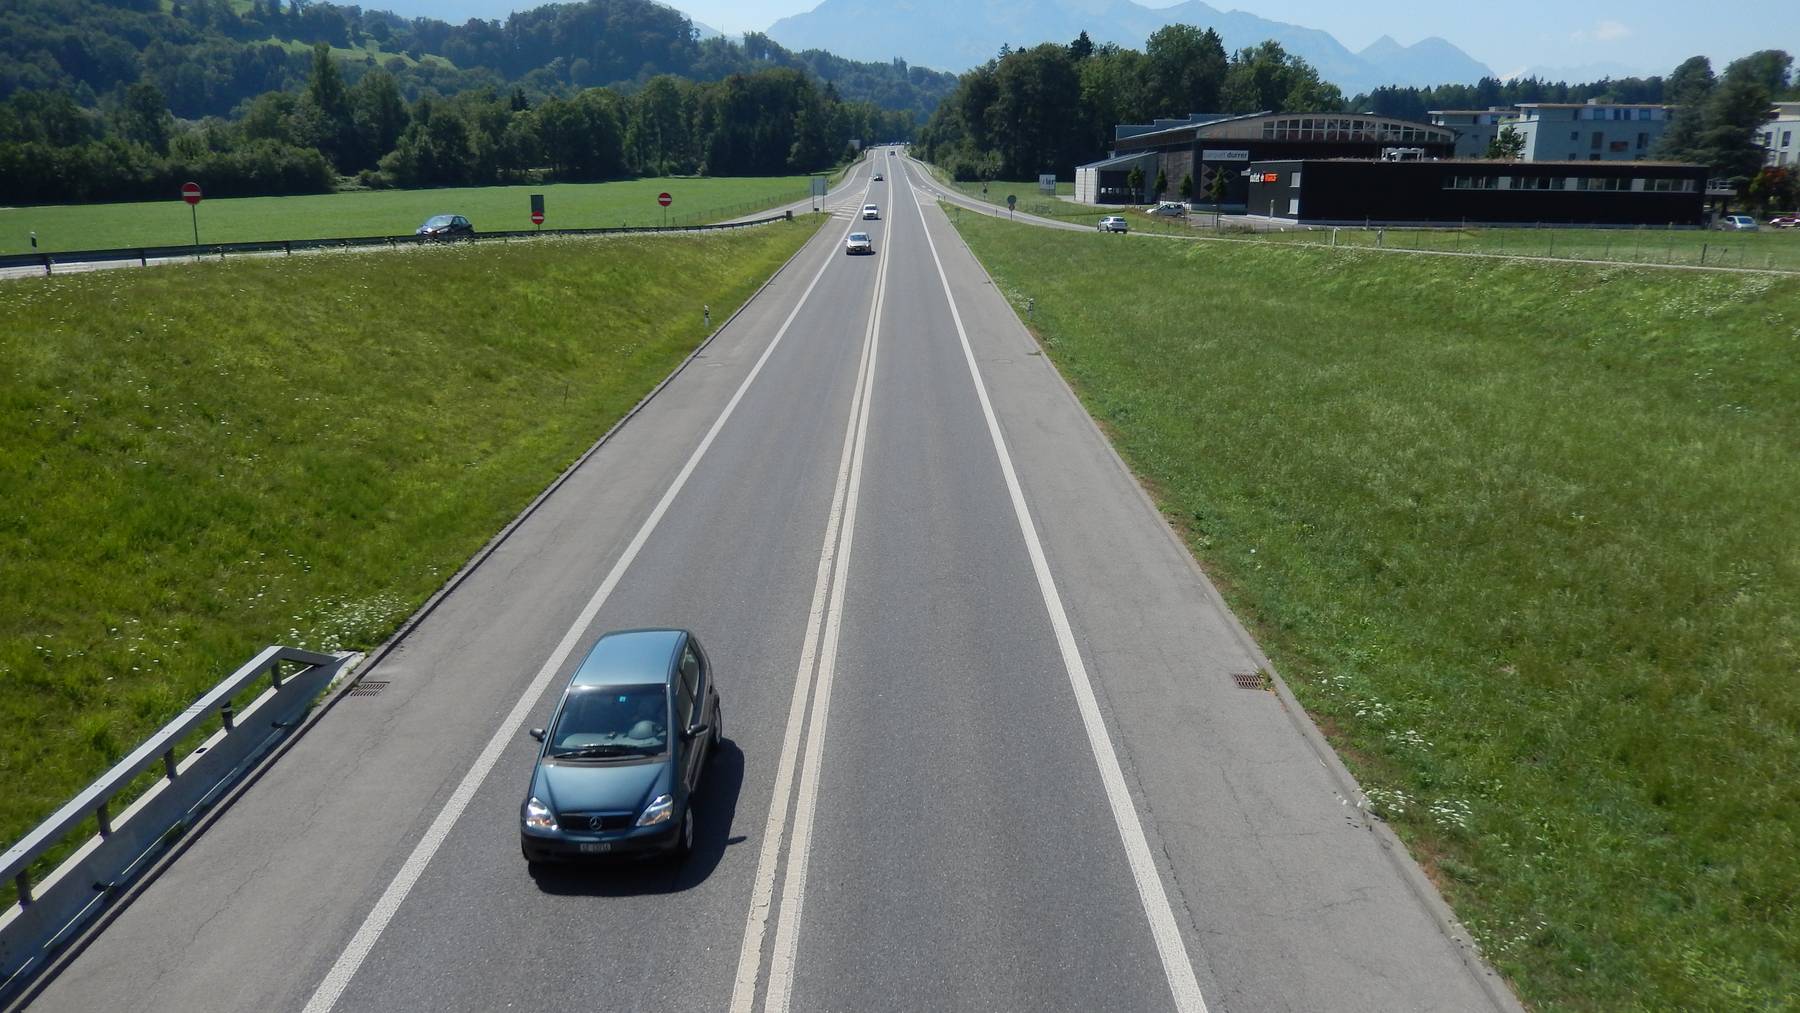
x=1172 y=209
x=858 y=242
x=446 y=227
x=1785 y=222
x=624 y=752
x=1112 y=223
x=1736 y=223
x=871 y=211
x=877 y=177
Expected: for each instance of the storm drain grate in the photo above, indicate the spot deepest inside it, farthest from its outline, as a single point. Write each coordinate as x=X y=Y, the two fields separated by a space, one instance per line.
x=1248 y=680
x=367 y=688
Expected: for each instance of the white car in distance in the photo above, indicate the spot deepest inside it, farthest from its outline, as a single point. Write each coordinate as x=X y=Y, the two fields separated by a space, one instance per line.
x=871 y=211
x=858 y=242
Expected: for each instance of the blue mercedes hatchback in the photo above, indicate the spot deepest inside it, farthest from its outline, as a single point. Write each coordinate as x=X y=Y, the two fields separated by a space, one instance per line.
x=624 y=752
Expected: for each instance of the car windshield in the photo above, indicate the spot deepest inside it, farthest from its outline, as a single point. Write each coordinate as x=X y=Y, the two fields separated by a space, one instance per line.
x=612 y=721
x=859 y=237
x=438 y=221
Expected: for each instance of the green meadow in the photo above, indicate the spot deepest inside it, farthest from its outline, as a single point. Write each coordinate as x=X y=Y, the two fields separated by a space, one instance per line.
x=1523 y=538
x=390 y=212
x=199 y=461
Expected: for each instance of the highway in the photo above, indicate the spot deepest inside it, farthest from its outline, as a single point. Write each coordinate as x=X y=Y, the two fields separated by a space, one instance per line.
x=985 y=748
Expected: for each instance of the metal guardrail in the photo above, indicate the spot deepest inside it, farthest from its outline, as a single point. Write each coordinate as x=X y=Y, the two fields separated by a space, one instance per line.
x=50 y=913
x=145 y=254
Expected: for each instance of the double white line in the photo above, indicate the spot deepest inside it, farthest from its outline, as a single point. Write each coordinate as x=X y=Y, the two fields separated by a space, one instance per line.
x=818 y=655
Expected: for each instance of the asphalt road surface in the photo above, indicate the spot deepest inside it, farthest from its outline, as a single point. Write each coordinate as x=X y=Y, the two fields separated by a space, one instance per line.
x=985 y=750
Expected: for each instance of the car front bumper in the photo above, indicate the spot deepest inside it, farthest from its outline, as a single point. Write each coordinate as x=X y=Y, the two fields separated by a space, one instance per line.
x=637 y=842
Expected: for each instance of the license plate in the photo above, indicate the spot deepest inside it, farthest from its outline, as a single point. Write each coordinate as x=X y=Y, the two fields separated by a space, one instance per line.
x=595 y=847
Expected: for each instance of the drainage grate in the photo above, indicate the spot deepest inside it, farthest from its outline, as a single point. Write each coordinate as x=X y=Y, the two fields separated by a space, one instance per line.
x=367 y=689
x=1248 y=680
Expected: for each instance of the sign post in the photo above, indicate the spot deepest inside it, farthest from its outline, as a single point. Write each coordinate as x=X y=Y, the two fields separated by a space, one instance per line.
x=537 y=211
x=190 y=192
x=818 y=190
x=1011 y=200
x=665 y=200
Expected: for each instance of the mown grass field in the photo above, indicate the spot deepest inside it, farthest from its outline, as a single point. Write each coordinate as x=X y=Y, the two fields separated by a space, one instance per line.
x=1767 y=249
x=390 y=212
x=1523 y=538
x=198 y=461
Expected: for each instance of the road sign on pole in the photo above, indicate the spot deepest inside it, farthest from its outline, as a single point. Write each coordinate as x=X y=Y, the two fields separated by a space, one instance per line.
x=190 y=192
x=665 y=200
x=537 y=209
x=1011 y=200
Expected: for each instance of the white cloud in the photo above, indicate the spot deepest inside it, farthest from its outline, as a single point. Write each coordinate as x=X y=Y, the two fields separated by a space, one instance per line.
x=1603 y=31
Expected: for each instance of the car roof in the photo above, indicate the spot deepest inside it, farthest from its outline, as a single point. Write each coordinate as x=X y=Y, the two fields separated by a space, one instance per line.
x=630 y=657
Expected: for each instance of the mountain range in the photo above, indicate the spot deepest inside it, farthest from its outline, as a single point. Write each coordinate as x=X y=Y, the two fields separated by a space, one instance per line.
x=955 y=35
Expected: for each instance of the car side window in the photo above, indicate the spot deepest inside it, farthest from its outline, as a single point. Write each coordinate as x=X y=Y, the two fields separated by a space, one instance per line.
x=687 y=680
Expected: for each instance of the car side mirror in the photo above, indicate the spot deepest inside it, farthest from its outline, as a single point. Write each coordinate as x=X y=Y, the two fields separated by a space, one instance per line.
x=538 y=734
x=695 y=731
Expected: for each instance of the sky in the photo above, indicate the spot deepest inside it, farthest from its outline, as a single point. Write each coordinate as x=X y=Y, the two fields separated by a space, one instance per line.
x=1650 y=36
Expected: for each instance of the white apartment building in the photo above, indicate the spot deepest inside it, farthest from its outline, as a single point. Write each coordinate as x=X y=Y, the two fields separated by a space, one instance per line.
x=1592 y=131
x=1780 y=135
x=1475 y=128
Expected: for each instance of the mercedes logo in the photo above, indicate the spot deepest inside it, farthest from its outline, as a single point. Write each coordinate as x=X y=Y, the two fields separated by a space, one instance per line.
x=596 y=822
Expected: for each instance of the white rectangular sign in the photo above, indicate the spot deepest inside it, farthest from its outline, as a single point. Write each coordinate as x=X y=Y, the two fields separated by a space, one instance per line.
x=1047 y=182
x=1224 y=155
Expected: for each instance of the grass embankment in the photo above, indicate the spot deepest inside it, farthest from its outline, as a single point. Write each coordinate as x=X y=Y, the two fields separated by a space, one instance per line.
x=1522 y=536
x=1767 y=249
x=390 y=212
x=198 y=461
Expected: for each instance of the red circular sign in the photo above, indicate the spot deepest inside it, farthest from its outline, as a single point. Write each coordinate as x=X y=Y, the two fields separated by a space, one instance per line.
x=190 y=192
x=664 y=199
x=537 y=218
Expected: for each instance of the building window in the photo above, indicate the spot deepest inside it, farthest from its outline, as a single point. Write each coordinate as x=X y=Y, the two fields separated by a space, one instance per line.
x=1599 y=139
x=1294 y=206
x=1787 y=138
x=1296 y=181
x=1472 y=183
x=1606 y=183
x=1643 y=141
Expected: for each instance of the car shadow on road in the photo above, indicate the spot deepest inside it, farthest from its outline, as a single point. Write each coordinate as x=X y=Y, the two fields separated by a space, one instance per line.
x=715 y=806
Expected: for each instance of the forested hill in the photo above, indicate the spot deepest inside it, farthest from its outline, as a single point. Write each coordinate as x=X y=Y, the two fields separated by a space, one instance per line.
x=209 y=56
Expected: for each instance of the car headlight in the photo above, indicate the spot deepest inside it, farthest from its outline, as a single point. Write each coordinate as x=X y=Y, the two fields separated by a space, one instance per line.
x=658 y=811
x=538 y=815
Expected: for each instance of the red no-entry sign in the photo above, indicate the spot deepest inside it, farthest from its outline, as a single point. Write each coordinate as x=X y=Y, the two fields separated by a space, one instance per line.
x=537 y=218
x=190 y=192
x=664 y=199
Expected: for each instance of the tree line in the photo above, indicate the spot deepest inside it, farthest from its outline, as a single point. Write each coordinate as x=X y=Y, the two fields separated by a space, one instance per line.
x=1052 y=107
x=768 y=122
x=208 y=57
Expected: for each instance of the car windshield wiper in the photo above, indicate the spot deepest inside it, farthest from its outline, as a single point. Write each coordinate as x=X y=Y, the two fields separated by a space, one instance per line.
x=590 y=752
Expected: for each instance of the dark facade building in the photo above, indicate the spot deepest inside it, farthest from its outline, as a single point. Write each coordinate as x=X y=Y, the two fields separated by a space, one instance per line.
x=1359 y=191
x=1207 y=145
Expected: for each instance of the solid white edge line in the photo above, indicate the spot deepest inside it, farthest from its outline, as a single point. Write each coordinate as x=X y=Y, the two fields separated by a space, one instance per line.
x=783 y=958
x=762 y=891
x=332 y=986
x=1183 y=985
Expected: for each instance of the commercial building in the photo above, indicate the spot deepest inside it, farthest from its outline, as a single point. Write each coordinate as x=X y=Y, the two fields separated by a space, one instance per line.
x=1370 y=191
x=1780 y=136
x=1210 y=146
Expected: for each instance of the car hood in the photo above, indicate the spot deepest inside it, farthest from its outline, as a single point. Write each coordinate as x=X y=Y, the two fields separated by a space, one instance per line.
x=601 y=787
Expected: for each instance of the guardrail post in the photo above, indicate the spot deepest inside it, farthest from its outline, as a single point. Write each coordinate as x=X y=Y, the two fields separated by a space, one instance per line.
x=46 y=265
x=169 y=766
x=287 y=247
x=23 y=882
x=143 y=258
x=104 y=818
x=275 y=674
x=228 y=715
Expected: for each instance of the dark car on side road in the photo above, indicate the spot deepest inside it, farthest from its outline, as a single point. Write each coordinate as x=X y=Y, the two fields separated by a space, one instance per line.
x=445 y=227
x=624 y=753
